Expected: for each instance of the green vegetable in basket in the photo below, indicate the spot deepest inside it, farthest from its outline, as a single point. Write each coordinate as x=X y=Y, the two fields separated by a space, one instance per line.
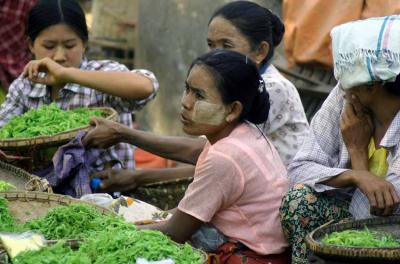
x=119 y=246
x=360 y=238
x=126 y=247
x=59 y=253
x=46 y=120
x=6 y=219
x=6 y=186
x=75 y=222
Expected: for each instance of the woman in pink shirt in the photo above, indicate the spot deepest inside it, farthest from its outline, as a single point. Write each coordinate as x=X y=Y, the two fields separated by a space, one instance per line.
x=232 y=206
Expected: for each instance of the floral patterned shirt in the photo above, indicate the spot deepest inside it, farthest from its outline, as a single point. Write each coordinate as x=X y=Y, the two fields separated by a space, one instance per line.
x=24 y=95
x=287 y=124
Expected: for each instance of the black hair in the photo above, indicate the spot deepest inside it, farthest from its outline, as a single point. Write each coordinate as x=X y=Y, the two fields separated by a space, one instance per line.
x=237 y=79
x=393 y=87
x=46 y=13
x=255 y=22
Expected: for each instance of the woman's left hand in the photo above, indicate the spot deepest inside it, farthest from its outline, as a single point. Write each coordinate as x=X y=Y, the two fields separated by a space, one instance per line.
x=356 y=126
x=54 y=72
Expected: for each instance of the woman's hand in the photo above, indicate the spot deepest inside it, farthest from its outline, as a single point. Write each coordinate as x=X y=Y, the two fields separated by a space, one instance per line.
x=105 y=134
x=55 y=74
x=382 y=195
x=117 y=180
x=356 y=126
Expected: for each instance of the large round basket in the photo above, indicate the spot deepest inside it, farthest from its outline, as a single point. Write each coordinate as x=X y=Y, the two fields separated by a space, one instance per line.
x=14 y=175
x=390 y=225
x=164 y=195
x=25 y=206
x=53 y=140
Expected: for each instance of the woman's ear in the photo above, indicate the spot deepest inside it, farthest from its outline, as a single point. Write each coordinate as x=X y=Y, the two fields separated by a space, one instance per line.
x=30 y=44
x=235 y=112
x=261 y=52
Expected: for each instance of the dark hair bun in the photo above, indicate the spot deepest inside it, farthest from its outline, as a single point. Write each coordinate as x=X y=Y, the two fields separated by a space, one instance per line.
x=278 y=29
x=259 y=110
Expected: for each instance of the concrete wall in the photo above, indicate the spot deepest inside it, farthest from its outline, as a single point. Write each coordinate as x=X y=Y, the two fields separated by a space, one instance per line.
x=171 y=33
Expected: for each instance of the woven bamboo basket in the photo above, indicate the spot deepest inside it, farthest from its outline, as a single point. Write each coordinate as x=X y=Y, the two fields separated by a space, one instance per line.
x=25 y=206
x=14 y=175
x=53 y=140
x=390 y=225
x=165 y=194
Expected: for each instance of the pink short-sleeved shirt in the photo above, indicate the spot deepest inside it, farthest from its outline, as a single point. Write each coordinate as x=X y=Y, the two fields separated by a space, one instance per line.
x=238 y=186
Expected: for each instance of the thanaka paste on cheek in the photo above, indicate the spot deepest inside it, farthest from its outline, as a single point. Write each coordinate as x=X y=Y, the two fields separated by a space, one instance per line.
x=208 y=113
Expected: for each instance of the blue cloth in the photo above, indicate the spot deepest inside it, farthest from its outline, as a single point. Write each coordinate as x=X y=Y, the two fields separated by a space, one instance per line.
x=208 y=238
x=71 y=167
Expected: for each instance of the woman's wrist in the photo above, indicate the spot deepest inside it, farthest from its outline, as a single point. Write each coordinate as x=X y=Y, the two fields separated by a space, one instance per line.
x=67 y=74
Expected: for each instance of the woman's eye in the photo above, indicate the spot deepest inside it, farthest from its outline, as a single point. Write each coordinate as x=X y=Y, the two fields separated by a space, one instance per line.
x=199 y=96
x=49 y=47
x=69 y=46
x=227 y=46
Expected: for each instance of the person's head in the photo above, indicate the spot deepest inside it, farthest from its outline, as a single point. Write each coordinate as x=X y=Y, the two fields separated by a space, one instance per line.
x=247 y=28
x=366 y=61
x=222 y=89
x=57 y=29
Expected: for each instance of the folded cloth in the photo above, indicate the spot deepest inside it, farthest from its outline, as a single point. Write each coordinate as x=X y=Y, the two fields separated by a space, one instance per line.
x=366 y=51
x=71 y=168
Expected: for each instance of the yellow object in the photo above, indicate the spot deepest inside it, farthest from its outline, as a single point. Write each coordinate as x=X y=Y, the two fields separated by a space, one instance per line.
x=377 y=160
x=2 y=95
x=15 y=244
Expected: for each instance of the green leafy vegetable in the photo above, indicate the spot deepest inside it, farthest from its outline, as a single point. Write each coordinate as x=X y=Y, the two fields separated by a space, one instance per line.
x=46 y=120
x=360 y=238
x=57 y=254
x=6 y=186
x=106 y=239
x=75 y=221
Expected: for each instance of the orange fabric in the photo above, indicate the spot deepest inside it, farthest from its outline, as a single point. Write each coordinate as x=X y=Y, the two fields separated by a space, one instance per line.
x=308 y=25
x=147 y=160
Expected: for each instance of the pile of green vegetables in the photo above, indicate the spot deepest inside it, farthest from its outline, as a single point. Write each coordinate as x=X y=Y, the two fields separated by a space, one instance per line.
x=45 y=121
x=105 y=239
x=360 y=238
x=6 y=186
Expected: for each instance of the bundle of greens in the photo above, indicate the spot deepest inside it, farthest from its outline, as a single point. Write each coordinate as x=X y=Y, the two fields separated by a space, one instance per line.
x=126 y=247
x=6 y=186
x=75 y=221
x=360 y=238
x=45 y=121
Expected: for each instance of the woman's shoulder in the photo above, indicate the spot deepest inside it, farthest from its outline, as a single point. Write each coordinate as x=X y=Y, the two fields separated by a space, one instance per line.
x=276 y=81
x=244 y=139
x=103 y=65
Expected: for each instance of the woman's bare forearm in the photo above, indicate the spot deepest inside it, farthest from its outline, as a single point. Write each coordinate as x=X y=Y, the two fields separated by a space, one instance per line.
x=182 y=149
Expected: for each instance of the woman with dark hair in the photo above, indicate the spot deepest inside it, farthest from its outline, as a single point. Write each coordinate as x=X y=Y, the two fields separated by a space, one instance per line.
x=255 y=31
x=231 y=207
x=349 y=165
x=60 y=73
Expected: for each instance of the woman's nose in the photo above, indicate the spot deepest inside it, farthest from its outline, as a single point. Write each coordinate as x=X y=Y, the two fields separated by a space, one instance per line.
x=187 y=101
x=59 y=55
